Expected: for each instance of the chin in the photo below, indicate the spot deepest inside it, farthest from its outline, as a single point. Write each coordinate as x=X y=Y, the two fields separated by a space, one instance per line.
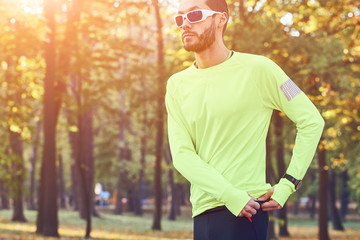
x=194 y=47
x=189 y=48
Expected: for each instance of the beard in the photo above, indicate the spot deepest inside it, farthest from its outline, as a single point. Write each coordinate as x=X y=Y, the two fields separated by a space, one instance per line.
x=205 y=40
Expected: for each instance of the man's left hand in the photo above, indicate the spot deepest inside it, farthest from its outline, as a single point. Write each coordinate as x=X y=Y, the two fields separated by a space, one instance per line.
x=269 y=204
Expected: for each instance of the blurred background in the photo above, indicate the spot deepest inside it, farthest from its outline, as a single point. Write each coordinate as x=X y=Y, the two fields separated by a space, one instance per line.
x=83 y=123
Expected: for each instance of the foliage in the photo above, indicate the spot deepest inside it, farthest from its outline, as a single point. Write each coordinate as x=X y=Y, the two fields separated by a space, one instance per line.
x=112 y=47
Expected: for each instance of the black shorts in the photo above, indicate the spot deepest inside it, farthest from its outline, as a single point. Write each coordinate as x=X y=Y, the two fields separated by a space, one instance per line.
x=220 y=224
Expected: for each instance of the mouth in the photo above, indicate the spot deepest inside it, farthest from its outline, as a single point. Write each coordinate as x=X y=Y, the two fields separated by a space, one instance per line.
x=187 y=35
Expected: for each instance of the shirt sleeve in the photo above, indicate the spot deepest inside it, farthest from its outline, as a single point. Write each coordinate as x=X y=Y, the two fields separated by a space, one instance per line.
x=191 y=166
x=279 y=92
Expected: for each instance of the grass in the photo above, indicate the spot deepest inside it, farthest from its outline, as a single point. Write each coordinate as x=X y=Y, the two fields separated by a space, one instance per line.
x=108 y=226
x=305 y=228
x=127 y=227
x=299 y=222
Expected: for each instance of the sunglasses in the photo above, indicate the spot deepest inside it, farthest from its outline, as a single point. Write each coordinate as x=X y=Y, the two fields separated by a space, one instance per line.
x=193 y=16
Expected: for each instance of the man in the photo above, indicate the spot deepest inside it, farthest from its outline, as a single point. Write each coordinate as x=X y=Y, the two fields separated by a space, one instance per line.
x=219 y=112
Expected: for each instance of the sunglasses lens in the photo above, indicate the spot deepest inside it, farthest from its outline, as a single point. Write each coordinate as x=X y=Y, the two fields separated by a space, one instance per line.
x=179 y=21
x=194 y=16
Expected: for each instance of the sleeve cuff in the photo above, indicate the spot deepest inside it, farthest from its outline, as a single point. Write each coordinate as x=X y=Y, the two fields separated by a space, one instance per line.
x=235 y=199
x=282 y=191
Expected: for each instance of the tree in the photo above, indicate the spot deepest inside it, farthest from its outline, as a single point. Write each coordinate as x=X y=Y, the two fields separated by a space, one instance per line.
x=47 y=219
x=171 y=185
x=344 y=195
x=15 y=151
x=61 y=182
x=334 y=213
x=4 y=193
x=270 y=178
x=323 y=217
x=20 y=56
x=160 y=119
x=124 y=154
x=33 y=158
x=283 y=231
x=18 y=168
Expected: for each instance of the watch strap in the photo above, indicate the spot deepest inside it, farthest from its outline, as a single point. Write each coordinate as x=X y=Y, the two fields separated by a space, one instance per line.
x=292 y=179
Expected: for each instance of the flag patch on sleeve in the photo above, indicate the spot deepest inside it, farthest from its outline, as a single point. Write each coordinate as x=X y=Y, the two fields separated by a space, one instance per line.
x=290 y=90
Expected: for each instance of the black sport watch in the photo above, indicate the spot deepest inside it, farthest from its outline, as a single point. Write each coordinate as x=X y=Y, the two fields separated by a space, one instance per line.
x=296 y=182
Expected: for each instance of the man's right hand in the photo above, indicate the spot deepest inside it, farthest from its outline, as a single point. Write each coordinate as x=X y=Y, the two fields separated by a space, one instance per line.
x=250 y=209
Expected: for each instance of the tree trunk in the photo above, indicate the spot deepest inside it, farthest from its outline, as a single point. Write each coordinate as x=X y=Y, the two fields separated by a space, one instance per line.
x=85 y=160
x=283 y=231
x=33 y=158
x=243 y=23
x=61 y=183
x=70 y=43
x=118 y=204
x=171 y=185
x=311 y=206
x=141 y=183
x=83 y=167
x=334 y=213
x=15 y=153
x=344 y=195
x=124 y=155
x=296 y=207
x=242 y=12
x=323 y=217
x=130 y=206
x=179 y=190
x=136 y=199
x=74 y=200
x=4 y=195
x=88 y=151
x=47 y=219
x=160 y=120
x=18 y=176
x=270 y=176
x=74 y=141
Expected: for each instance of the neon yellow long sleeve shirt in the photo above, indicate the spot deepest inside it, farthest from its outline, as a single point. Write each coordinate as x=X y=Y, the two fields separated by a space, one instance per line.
x=218 y=119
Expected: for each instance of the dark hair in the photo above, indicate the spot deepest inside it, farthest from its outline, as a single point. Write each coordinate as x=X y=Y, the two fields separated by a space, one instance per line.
x=219 y=6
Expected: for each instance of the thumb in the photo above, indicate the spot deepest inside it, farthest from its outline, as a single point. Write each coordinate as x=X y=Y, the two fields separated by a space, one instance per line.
x=267 y=195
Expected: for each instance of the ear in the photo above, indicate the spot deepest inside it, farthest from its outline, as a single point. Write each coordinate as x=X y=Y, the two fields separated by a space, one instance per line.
x=223 y=20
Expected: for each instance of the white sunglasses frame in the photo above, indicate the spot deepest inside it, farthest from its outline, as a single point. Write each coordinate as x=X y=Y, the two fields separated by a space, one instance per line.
x=205 y=14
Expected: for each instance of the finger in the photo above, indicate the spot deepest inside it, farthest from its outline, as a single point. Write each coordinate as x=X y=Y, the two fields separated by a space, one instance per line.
x=268 y=204
x=265 y=205
x=254 y=204
x=247 y=214
x=271 y=205
x=267 y=195
x=268 y=209
x=271 y=208
x=250 y=210
x=275 y=204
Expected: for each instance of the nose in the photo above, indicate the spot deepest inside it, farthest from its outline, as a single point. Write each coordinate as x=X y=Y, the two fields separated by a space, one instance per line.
x=186 y=24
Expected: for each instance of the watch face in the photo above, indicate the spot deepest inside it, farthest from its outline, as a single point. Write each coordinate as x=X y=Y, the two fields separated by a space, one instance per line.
x=298 y=185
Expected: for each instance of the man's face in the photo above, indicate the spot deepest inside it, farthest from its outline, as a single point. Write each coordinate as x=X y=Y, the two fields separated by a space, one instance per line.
x=196 y=36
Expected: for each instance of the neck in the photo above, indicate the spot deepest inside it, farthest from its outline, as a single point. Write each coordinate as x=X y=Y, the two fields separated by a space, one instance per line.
x=213 y=55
